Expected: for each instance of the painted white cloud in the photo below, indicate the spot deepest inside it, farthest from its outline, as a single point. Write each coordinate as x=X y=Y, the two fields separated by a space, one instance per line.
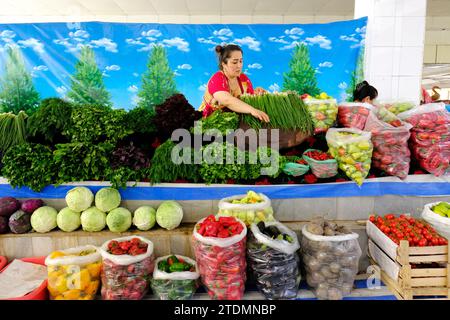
x=325 y=64
x=294 y=31
x=225 y=32
x=279 y=40
x=106 y=43
x=135 y=99
x=274 y=87
x=133 y=88
x=7 y=34
x=356 y=45
x=136 y=42
x=147 y=47
x=277 y=73
x=255 y=66
x=348 y=38
x=151 y=33
x=177 y=42
x=294 y=37
x=361 y=30
x=176 y=73
x=320 y=40
x=79 y=34
x=206 y=73
x=184 y=66
x=202 y=87
x=292 y=45
x=32 y=43
x=206 y=41
x=61 y=90
x=40 y=68
x=250 y=42
x=135 y=74
x=113 y=67
x=342 y=85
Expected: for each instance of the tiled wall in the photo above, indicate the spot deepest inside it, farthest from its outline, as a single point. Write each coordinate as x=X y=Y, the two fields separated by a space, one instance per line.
x=394 y=46
x=437 y=40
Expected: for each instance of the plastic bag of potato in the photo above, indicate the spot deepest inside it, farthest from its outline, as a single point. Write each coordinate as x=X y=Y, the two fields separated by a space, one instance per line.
x=331 y=257
x=250 y=208
x=74 y=274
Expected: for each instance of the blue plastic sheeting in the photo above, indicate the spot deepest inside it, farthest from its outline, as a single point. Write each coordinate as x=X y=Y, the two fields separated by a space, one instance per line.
x=202 y=192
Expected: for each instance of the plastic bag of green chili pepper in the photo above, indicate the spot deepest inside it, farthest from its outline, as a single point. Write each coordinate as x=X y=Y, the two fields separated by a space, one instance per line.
x=175 y=277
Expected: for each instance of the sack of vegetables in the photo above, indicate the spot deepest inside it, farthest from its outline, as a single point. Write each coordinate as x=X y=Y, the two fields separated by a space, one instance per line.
x=250 y=207
x=175 y=278
x=273 y=261
x=321 y=163
x=74 y=274
x=353 y=114
x=219 y=246
x=331 y=257
x=128 y=263
x=323 y=113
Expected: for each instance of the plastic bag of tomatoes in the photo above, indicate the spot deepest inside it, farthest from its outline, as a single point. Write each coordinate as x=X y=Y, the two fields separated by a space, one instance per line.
x=219 y=246
x=322 y=164
x=128 y=264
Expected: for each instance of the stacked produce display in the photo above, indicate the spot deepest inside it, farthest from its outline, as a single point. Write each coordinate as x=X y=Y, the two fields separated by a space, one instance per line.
x=323 y=110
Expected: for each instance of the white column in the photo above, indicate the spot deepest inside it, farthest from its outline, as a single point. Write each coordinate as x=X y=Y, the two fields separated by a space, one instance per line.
x=394 y=46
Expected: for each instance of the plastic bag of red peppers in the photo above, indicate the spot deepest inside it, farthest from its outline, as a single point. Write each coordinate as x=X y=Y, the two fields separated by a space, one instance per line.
x=390 y=142
x=430 y=136
x=220 y=246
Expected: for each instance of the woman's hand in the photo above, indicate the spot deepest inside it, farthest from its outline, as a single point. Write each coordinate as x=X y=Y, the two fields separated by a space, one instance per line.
x=259 y=91
x=261 y=115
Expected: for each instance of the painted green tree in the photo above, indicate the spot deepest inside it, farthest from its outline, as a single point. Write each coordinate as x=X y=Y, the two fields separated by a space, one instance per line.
x=301 y=76
x=158 y=82
x=17 y=91
x=87 y=85
x=357 y=75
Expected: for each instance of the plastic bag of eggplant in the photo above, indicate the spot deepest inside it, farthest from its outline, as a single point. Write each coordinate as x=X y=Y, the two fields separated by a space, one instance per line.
x=331 y=257
x=273 y=260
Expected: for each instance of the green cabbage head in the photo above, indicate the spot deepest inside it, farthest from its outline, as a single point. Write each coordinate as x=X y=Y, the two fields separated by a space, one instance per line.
x=119 y=220
x=169 y=214
x=107 y=199
x=79 y=199
x=68 y=220
x=93 y=220
x=43 y=219
x=144 y=218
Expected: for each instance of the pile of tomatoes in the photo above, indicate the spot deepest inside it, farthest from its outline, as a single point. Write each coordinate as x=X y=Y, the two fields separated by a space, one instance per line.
x=417 y=233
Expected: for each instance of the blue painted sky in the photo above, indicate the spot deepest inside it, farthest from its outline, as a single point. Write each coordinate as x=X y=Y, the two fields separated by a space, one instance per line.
x=122 y=49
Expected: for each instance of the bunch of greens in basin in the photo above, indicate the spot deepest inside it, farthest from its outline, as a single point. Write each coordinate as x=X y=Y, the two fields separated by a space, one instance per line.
x=285 y=110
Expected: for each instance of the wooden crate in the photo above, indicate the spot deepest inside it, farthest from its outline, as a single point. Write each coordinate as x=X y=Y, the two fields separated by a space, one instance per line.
x=397 y=266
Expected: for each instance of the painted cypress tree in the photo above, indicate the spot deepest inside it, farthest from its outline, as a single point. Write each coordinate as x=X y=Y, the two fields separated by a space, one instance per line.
x=301 y=76
x=87 y=85
x=158 y=82
x=357 y=75
x=17 y=91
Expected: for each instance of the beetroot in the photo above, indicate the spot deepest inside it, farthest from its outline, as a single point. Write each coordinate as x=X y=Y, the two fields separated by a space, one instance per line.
x=8 y=205
x=30 y=205
x=19 y=222
x=4 y=225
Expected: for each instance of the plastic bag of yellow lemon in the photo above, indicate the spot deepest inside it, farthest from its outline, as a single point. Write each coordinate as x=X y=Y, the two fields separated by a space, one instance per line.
x=74 y=274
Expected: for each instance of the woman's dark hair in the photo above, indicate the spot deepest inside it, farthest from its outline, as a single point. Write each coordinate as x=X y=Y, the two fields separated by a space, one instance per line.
x=364 y=89
x=224 y=53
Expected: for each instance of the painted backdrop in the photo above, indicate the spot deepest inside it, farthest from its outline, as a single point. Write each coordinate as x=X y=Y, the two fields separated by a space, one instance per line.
x=116 y=63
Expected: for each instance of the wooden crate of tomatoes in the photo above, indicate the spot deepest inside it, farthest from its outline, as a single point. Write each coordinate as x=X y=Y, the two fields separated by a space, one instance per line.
x=412 y=256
